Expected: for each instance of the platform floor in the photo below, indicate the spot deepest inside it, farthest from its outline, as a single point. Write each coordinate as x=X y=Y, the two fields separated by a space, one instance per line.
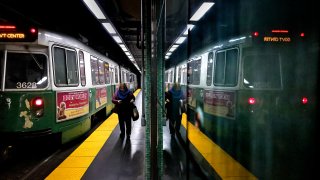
x=177 y=164
x=107 y=156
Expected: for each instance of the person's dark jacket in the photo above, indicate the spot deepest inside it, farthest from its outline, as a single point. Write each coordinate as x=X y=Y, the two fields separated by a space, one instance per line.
x=123 y=102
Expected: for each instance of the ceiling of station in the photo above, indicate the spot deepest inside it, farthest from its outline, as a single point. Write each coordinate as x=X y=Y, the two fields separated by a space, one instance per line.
x=72 y=17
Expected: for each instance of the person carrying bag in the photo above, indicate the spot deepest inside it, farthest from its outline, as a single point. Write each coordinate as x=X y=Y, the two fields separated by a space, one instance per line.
x=123 y=98
x=135 y=112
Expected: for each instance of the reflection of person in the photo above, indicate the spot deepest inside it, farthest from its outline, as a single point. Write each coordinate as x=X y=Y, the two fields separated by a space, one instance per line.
x=123 y=99
x=174 y=97
x=61 y=110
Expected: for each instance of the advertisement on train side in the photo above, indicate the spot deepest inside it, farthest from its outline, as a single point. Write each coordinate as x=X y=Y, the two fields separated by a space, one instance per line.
x=220 y=103
x=101 y=97
x=72 y=104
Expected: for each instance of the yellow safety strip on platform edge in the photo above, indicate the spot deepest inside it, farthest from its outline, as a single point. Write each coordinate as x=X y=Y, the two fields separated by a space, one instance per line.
x=223 y=164
x=74 y=166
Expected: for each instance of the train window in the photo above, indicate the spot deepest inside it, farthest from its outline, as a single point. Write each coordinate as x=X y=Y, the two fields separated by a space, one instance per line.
x=166 y=77
x=179 y=74
x=65 y=67
x=226 y=68
x=116 y=75
x=26 y=71
x=194 y=71
x=72 y=68
x=111 y=75
x=189 y=73
x=82 y=69
x=231 y=67
x=101 y=72
x=128 y=77
x=209 y=69
x=184 y=75
x=60 y=66
x=219 y=68
x=94 y=70
x=261 y=71
x=122 y=76
x=107 y=74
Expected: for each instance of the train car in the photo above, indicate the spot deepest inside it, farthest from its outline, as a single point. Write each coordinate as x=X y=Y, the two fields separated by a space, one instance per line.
x=169 y=78
x=51 y=84
x=129 y=78
x=252 y=95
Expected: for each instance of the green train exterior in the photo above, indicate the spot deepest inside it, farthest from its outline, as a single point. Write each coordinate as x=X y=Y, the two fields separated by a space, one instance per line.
x=53 y=85
x=256 y=99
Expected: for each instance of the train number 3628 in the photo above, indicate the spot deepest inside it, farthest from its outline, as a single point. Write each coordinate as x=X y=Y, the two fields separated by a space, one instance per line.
x=26 y=85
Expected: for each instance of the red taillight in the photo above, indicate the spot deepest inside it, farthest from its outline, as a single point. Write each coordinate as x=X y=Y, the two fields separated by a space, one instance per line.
x=256 y=34
x=252 y=101
x=38 y=102
x=33 y=30
x=304 y=100
x=302 y=34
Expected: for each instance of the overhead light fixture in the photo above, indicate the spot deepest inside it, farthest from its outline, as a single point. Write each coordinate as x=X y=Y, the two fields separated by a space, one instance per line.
x=109 y=28
x=117 y=39
x=93 y=6
x=201 y=11
x=189 y=27
x=95 y=9
x=124 y=49
x=181 y=40
x=168 y=53
x=175 y=45
x=172 y=49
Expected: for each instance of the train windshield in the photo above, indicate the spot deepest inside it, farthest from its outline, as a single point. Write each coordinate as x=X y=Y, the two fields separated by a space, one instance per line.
x=26 y=71
x=262 y=71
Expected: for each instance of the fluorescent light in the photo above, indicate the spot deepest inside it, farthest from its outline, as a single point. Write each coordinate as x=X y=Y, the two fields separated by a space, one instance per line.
x=122 y=45
x=94 y=8
x=127 y=53
x=175 y=45
x=172 y=49
x=117 y=39
x=168 y=53
x=109 y=28
x=124 y=49
x=167 y=57
x=201 y=11
x=189 y=26
x=181 y=40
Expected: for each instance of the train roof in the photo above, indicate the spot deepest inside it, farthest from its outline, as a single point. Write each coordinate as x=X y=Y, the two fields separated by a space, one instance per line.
x=45 y=37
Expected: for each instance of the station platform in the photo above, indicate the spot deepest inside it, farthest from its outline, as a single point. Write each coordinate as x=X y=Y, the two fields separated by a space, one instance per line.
x=104 y=155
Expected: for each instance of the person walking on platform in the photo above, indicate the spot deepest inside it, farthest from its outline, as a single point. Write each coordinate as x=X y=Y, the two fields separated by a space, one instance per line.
x=174 y=102
x=123 y=99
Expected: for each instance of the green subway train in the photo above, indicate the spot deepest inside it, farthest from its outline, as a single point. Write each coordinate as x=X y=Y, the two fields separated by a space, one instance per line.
x=52 y=84
x=256 y=97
